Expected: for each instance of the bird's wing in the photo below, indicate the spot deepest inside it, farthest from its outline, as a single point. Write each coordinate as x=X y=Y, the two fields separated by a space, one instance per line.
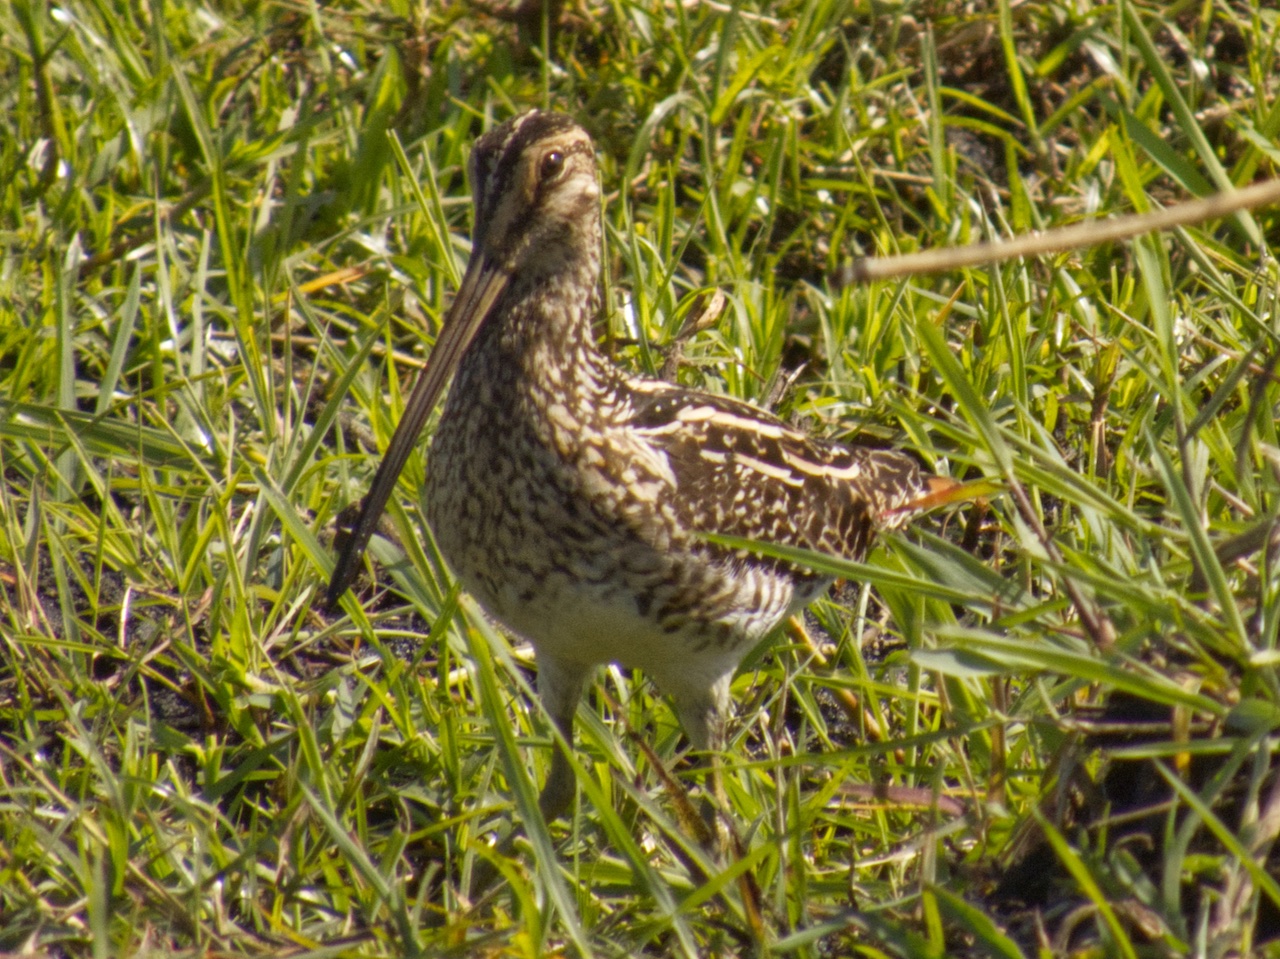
x=742 y=472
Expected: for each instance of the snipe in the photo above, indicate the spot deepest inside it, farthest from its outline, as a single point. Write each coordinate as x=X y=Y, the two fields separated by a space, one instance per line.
x=571 y=498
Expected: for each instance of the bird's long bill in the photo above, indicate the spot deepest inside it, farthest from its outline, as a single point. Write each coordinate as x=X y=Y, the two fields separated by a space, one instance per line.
x=481 y=287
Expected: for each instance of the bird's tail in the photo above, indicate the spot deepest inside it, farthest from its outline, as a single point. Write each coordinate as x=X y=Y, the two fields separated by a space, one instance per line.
x=942 y=491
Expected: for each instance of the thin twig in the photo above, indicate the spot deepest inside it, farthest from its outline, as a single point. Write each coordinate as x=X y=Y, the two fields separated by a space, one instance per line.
x=1074 y=237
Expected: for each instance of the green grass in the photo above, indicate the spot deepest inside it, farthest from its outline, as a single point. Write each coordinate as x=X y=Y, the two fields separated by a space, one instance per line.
x=220 y=272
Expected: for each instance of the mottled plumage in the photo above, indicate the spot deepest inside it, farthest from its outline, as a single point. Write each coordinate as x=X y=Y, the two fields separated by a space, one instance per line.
x=571 y=498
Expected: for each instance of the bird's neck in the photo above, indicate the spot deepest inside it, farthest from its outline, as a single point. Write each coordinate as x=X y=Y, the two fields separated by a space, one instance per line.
x=539 y=347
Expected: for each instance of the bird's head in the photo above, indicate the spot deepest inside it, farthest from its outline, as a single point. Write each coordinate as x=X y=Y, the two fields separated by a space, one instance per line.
x=537 y=195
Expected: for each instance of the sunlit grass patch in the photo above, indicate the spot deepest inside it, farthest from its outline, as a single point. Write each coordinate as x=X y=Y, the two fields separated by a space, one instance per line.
x=1042 y=721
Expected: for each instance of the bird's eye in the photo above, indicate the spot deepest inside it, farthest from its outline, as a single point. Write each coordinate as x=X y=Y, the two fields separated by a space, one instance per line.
x=552 y=165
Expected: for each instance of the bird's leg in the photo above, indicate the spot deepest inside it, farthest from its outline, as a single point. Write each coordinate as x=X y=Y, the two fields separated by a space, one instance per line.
x=560 y=686
x=705 y=720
